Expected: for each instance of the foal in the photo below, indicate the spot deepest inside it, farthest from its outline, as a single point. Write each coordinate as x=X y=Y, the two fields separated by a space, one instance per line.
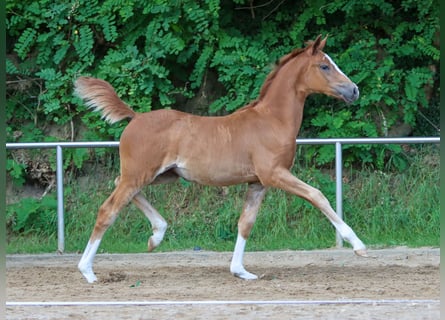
x=254 y=145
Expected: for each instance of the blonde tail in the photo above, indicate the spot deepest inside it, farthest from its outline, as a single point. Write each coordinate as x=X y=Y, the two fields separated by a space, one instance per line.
x=100 y=95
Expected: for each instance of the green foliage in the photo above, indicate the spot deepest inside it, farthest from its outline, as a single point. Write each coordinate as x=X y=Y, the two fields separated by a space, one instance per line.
x=16 y=171
x=157 y=54
x=33 y=215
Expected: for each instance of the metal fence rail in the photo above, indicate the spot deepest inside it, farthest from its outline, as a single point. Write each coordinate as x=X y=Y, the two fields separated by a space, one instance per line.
x=338 y=142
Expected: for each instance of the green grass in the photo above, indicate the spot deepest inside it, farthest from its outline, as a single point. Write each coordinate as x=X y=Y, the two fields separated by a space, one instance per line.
x=384 y=208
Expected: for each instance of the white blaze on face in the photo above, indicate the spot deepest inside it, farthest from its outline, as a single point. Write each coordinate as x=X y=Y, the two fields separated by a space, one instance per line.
x=335 y=65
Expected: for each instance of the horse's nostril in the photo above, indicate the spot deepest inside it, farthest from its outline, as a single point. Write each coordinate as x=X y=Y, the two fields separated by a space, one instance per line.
x=355 y=91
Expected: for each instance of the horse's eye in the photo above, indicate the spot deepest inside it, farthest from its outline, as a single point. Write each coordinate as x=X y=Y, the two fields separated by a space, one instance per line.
x=324 y=67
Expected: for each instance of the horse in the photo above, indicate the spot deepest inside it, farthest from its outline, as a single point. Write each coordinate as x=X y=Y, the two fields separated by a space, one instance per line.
x=253 y=145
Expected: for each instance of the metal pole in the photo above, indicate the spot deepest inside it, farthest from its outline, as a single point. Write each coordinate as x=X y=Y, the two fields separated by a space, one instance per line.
x=60 y=214
x=339 y=188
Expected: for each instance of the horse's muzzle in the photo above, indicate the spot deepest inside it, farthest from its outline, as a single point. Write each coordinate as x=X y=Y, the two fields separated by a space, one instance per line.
x=348 y=92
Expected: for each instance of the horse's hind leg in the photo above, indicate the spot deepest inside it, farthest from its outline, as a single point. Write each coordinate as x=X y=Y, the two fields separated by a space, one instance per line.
x=107 y=214
x=158 y=223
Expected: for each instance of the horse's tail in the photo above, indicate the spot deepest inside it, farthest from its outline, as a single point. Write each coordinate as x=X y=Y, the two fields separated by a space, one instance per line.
x=100 y=95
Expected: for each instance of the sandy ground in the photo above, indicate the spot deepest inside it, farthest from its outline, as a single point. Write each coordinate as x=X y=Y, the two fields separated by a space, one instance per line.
x=397 y=283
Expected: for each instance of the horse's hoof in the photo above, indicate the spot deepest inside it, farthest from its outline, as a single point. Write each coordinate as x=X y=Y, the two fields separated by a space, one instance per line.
x=87 y=272
x=90 y=276
x=245 y=275
x=362 y=253
x=151 y=244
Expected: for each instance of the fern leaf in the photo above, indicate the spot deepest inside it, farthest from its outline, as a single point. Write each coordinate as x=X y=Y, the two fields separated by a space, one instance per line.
x=109 y=28
x=47 y=74
x=200 y=67
x=25 y=42
x=61 y=53
x=11 y=68
x=85 y=43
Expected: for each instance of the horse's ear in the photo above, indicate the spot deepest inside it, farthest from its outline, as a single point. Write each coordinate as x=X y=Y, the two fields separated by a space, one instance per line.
x=322 y=43
x=317 y=45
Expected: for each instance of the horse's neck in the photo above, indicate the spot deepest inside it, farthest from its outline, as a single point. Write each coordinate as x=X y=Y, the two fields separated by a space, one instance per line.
x=283 y=102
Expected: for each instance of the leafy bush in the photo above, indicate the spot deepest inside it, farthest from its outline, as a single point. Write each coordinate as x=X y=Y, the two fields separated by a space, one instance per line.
x=32 y=215
x=16 y=171
x=159 y=54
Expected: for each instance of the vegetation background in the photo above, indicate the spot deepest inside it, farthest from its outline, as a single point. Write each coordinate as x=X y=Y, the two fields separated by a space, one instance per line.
x=210 y=58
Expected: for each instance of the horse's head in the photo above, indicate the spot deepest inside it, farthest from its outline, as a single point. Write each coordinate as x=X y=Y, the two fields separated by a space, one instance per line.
x=322 y=75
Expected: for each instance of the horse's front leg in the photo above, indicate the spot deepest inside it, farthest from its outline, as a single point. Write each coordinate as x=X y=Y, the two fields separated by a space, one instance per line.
x=284 y=180
x=255 y=195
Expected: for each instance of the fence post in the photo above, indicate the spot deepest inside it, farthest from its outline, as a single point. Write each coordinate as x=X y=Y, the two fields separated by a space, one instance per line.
x=60 y=209
x=339 y=188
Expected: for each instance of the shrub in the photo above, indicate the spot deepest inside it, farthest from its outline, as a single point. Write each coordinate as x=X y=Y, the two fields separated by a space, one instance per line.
x=159 y=54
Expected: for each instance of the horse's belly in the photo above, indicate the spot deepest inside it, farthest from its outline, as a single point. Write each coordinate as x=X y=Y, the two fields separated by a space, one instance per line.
x=217 y=177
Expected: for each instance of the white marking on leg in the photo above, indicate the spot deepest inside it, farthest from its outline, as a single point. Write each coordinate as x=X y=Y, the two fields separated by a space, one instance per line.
x=159 y=228
x=286 y=181
x=158 y=223
x=236 y=266
x=86 y=262
x=345 y=231
x=349 y=235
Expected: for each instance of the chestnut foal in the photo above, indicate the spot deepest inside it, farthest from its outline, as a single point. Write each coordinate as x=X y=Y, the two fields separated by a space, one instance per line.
x=254 y=145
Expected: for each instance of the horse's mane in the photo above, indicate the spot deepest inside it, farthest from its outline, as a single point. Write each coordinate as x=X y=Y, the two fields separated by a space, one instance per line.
x=272 y=75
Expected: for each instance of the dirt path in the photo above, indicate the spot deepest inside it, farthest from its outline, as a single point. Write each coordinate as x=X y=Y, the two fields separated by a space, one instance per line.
x=393 y=275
